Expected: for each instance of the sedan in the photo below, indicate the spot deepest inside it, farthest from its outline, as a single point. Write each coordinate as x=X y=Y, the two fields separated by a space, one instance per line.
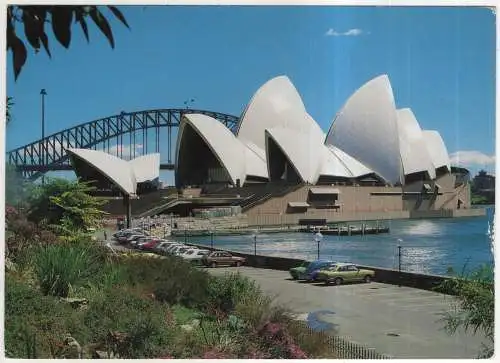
x=344 y=272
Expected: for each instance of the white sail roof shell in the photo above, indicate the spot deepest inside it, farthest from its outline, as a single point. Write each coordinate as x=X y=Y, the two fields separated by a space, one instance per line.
x=437 y=149
x=255 y=159
x=366 y=129
x=302 y=150
x=332 y=166
x=414 y=153
x=338 y=163
x=117 y=170
x=227 y=149
x=276 y=104
x=146 y=167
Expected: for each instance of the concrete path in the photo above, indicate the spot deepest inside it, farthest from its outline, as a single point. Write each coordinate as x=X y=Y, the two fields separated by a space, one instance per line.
x=398 y=321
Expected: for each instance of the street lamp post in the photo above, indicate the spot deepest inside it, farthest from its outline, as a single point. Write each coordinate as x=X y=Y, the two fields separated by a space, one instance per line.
x=188 y=102
x=399 y=259
x=399 y=254
x=255 y=242
x=42 y=153
x=211 y=238
x=318 y=237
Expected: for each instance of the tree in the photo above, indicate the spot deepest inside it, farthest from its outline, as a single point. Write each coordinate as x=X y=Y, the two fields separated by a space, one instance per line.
x=61 y=18
x=474 y=309
x=66 y=207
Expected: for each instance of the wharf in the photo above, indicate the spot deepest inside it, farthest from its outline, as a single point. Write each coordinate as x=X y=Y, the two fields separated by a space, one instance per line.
x=233 y=231
x=348 y=230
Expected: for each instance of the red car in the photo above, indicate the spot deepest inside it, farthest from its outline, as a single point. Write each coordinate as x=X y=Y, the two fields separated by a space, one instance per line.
x=148 y=246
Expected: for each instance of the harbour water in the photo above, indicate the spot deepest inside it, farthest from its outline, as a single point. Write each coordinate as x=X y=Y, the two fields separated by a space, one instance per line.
x=427 y=245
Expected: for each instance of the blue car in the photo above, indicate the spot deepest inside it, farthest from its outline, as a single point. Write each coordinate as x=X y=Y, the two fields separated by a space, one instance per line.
x=312 y=270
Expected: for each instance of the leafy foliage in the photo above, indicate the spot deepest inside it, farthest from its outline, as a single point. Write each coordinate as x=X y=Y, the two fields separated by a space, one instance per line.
x=172 y=280
x=65 y=206
x=34 y=18
x=36 y=324
x=224 y=293
x=475 y=307
x=62 y=267
x=23 y=235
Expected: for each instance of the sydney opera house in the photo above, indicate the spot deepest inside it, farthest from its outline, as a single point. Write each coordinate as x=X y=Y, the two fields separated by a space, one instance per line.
x=374 y=158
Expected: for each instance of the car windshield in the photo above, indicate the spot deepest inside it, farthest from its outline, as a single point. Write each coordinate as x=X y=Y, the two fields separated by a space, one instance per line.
x=189 y=252
x=305 y=264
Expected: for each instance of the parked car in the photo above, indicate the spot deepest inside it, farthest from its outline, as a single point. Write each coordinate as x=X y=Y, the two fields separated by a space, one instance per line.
x=140 y=240
x=163 y=243
x=128 y=231
x=174 y=247
x=164 y=246
x=149 y=246
x=180 y=250
x=222 y=258
x=128 y=237
x=295 y=272
x=134 y=237
x=344 y=272
x=311 y=272
x=145 y=241
x=194 y=255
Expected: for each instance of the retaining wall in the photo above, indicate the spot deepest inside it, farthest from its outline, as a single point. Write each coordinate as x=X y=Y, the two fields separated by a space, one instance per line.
x=384 y=275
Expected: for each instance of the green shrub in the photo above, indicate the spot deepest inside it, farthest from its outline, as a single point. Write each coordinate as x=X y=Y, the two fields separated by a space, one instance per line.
x=141 y=320
x=172 y=280
x=225 y=292
x=62 y=267
x=35 y=323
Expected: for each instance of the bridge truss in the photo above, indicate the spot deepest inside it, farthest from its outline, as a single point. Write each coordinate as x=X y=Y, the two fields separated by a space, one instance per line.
x=49 y=154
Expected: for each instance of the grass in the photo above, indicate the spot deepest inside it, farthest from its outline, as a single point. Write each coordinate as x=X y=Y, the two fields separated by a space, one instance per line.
x=136 y=308
x=59 y=268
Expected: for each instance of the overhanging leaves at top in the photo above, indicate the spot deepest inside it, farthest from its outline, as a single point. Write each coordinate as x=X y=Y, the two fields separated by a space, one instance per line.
x=60 y=19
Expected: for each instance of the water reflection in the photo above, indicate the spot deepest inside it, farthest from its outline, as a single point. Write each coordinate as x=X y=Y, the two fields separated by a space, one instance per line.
x=424 y=228
x=428 y=245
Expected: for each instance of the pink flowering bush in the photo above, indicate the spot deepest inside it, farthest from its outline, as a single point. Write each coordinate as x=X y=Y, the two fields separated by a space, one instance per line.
x=279 y=342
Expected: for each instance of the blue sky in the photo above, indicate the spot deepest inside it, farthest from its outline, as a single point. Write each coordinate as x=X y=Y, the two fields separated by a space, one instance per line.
x=441 y=63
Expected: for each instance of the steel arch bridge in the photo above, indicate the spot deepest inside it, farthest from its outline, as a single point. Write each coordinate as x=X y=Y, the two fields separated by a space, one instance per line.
x=48 y=154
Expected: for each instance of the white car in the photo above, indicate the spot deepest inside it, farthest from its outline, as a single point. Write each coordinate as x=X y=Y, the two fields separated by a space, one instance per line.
x=194 y=254
x=169 y=249
x=162 y=247
x=173 y=250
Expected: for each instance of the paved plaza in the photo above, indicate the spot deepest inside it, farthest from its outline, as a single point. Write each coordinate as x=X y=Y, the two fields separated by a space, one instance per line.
x=401 y=322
